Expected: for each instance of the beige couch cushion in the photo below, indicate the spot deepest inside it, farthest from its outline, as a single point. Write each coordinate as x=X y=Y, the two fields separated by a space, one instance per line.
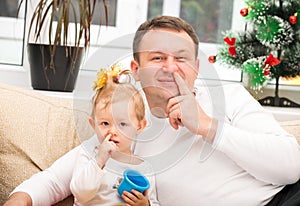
x=293 y=127
x=35 y=130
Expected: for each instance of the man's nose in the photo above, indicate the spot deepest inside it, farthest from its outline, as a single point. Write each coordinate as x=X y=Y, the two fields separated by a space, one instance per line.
x=170 y=65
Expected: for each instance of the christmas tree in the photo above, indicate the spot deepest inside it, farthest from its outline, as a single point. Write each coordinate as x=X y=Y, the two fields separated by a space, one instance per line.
x=270 y=49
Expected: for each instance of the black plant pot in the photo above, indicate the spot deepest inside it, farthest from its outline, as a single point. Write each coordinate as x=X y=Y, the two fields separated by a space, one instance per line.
x=62 y=76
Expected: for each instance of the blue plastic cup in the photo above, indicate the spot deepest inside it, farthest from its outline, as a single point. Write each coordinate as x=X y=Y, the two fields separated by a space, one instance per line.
x=132 y=179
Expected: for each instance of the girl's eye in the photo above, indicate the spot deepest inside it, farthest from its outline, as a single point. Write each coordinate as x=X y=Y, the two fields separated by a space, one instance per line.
x=104 y=123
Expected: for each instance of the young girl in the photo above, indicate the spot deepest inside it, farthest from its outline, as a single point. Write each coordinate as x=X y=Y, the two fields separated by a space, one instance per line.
x=118 y=115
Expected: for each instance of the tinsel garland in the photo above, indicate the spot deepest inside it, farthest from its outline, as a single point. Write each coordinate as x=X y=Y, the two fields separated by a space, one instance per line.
x=254 y=68
x=273 y=32
x=247 y=47
x=291 y=61
x=257 y=9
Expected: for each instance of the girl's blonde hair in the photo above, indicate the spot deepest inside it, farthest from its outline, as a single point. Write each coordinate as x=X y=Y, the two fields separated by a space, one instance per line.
x=109 y=90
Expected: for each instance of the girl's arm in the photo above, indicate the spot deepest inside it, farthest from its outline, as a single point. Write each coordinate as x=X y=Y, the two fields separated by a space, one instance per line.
x=87 y=178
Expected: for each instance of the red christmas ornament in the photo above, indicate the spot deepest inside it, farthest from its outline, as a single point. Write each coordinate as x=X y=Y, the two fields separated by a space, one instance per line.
x=244 y=12
x=231 y=43
x=293 y=19
x=212 y=59
x=270 y=61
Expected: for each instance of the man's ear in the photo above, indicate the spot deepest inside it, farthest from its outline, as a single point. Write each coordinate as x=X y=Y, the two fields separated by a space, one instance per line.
x=134 y=65
x=198 y=65
x=92 y=122
x=142 y=126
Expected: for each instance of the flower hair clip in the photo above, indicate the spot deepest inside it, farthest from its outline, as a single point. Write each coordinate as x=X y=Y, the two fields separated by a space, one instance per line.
x=114 y=73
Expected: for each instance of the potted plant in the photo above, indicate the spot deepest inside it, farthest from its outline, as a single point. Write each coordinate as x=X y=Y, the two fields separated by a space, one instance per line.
x=54 y=65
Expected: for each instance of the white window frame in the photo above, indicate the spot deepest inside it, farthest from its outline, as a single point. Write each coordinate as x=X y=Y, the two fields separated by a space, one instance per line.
x=11 y=37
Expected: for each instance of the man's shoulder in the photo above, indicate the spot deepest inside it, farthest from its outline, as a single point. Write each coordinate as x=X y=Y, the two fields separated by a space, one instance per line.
x=221 y=88
x=224 y=97
x=219 y=85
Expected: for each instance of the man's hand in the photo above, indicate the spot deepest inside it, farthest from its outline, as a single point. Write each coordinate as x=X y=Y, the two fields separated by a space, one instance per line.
x=136 y=198
x=106 y=148
x=19 y=199
x=184 y=110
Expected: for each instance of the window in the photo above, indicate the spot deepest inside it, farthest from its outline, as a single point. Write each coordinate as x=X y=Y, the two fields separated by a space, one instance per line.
x=154 y=8
x=12 y=32
x=111 y=10
x=99 y=13
x=208 y=17
x=8 y=8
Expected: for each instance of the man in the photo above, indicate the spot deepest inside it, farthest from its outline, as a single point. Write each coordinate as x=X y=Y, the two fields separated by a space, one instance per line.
x=210 y=146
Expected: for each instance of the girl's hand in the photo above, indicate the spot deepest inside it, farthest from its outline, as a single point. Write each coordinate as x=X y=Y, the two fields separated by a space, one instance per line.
x=136 y=198
x=105 y=149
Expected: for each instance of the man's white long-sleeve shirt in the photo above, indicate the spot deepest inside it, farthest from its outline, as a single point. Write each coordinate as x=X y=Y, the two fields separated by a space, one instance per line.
x=251 y=159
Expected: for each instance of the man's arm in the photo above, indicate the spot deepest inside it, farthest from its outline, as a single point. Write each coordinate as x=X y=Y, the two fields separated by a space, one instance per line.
x=254 y=140
x=19 y=199
x=243 y=131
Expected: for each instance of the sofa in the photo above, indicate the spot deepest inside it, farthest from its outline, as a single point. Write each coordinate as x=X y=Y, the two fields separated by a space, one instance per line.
x=36 y=129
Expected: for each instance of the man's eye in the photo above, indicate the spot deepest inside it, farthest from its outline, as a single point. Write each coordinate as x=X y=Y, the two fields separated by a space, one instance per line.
x=123 y=124
x=158 y=58
x=180 y=58
x=104 y=123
